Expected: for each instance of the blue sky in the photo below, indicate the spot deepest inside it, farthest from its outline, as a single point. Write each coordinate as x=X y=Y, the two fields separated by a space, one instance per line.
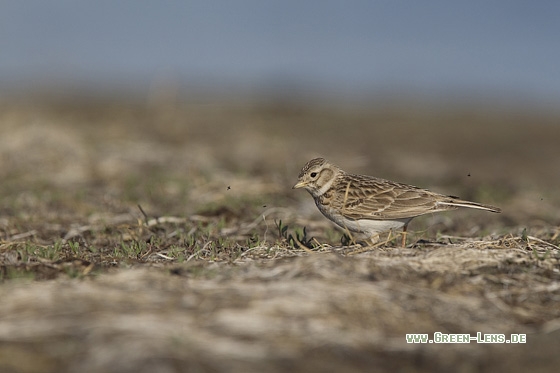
x=509 y=48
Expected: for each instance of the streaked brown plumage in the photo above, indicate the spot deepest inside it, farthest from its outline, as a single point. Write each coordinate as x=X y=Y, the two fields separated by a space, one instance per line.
x=367 y=205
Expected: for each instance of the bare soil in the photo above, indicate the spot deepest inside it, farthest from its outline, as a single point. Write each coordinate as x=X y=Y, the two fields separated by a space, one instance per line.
x=164 y=236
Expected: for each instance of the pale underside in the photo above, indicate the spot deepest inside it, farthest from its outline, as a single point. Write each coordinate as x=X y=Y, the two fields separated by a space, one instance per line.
x=364 y=227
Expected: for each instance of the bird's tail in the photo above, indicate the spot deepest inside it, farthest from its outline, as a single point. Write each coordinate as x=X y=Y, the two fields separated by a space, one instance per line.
x=473 y=205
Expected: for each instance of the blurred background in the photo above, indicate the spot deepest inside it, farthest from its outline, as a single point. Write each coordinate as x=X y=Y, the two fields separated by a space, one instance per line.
x=477 y=50
x=457 y=96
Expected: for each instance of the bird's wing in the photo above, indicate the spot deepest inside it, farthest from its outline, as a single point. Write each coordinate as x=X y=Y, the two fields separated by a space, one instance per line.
x=363 y=197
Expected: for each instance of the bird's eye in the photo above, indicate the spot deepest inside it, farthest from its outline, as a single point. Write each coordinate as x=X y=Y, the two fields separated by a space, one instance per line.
x=313 y=174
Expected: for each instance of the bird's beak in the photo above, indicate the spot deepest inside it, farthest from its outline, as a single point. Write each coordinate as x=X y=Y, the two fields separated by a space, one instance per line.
x=300 y=184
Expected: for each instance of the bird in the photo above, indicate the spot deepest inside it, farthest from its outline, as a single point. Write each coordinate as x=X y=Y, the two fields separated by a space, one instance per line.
x=367 y=206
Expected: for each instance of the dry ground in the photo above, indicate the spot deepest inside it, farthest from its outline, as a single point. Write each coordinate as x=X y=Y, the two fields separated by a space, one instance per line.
x=149 y=237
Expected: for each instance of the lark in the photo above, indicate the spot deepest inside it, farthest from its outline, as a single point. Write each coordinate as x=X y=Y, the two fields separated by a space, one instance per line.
x=367 y=206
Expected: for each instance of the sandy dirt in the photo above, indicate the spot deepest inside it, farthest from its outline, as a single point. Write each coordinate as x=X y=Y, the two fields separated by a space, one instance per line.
x=148 y=237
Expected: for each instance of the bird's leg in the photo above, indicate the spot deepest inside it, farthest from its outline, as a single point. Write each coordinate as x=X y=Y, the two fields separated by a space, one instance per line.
x=403 y=243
